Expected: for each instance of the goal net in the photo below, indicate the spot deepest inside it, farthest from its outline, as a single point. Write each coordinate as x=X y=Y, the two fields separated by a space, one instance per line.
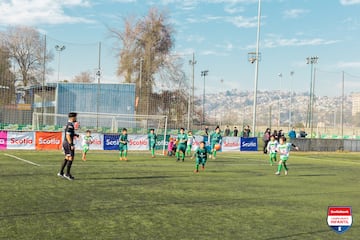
x=104 y=123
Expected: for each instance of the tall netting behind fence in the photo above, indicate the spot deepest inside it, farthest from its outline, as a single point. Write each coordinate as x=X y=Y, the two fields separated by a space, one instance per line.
x=74 y=77
x=102 y=122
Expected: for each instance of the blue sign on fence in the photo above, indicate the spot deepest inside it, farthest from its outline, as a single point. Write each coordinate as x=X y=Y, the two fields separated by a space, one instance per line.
x=111 y=142
x=248 y=144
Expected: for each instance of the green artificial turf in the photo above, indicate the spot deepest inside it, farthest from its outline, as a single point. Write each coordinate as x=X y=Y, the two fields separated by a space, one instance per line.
x=236 y=197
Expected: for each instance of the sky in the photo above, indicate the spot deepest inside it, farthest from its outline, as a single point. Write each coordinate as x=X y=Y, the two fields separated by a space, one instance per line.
x=220 y=33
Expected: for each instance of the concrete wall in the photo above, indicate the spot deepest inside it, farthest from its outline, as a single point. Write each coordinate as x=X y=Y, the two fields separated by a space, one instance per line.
x=327 y=145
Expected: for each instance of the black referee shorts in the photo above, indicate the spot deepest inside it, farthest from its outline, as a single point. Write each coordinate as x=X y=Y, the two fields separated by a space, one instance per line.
x=67 y=150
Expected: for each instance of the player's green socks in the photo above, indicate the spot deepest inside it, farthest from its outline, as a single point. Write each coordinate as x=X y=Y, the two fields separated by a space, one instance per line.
x=279 y=167
x=125 y=153
x=214 y=153
x=271 y=161
x=197 y=167
x=153 y=152
x=183 y=156
x=120 y=153
x=177 y=154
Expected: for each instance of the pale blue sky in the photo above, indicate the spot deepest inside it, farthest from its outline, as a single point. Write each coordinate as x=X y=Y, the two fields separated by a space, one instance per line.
x=219 y=32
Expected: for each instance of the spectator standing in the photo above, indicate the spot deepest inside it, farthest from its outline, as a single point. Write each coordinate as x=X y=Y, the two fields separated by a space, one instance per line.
x=246 y=131
x=227 y=131
x=280 y=134
x=303 y=134
x=236 y=131
x=206 y=130
x=275 y=133
x=292 y=133
x=266 y=139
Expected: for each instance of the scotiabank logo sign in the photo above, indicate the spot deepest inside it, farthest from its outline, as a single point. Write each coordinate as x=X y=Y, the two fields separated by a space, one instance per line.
x=48 y=140
x=248 y=144
x=231 y=144
x=136 y=142
x=21 y=140
x=111 y=142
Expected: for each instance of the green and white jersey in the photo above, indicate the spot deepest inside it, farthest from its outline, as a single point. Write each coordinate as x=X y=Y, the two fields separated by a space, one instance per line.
x=190 y=140
x=86 y=141
x=284 y=150
x=215 y=138
x=272 y=145
x=182 y=138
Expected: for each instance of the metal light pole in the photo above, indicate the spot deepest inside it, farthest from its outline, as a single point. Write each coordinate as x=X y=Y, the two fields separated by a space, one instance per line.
x=98 y=75
x=291 y=93
x=140 y=84
x=311 y=61
x=204 y=74
x=43 y=83
x=256 y=68
x=342 y=104
x=192 y=63
x=59 y=49
x=189 y=107
x=221 y=112
x=279 y=101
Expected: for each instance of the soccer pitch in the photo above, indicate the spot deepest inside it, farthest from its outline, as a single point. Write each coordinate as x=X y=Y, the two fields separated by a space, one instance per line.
x=236 y=197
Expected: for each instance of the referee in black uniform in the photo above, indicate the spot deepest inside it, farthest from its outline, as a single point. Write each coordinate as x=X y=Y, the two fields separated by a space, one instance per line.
x=69 y=147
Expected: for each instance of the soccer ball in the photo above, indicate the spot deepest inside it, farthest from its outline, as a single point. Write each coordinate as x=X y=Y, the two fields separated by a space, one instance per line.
x=217 y=147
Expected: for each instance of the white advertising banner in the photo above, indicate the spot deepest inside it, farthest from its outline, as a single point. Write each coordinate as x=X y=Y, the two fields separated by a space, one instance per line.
x=230 y=144
x=96 y=144
x=138 y=142
x=21 y=140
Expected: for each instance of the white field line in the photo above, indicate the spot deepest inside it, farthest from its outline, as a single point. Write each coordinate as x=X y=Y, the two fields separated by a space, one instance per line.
x=29 y=162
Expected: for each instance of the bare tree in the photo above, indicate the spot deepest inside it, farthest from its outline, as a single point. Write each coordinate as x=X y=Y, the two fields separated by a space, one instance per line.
x=7 y=78
x=145 y=52
x=84 y=77
x=27 y=48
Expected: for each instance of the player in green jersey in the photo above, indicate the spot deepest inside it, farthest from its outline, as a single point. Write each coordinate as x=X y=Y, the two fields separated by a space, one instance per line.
x=215 y=138
x=284 y=150
x=86 y=141
x=271 y=149
x=190 y=140
x=201 y=156
x=181 y=147
x=123 y=147
x=152 y=142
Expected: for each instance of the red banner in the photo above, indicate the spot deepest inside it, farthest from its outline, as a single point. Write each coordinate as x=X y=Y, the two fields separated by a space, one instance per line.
x=48 y=140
